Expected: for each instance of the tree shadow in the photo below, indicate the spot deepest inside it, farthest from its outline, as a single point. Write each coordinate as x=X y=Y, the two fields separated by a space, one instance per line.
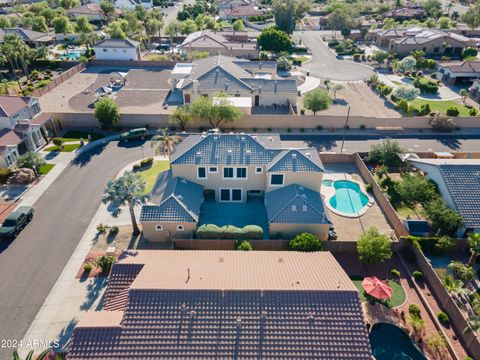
x=84 y=158
x=451 y=143
x=94 y=289
x=64 y=336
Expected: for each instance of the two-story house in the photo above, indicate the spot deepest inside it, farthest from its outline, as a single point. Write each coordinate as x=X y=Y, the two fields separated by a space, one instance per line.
x=23 y=127
x=231 y=168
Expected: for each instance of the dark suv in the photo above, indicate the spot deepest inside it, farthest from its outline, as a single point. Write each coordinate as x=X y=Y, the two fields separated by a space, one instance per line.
x=15 y=222
x=134 y=134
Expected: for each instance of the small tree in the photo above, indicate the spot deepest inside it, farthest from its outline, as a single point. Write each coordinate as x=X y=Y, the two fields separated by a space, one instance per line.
x=107 y=112
x=105 y=263
x=407 y=64
x=243 y=246
x=474 y=243
x=127 y=190
x=317 y=100
x=418 y=326
x=180 y=117
x=381 y=56
x=336 y=87
x=272 y=39
x=283 y=63
x=442 y=218
x=464 y=94
x=58 y=142
x=215 y=113
x=461 y=271
x=164 y=143
x=415 y=189
x=31 y=160
x=238 y=25
x=406 y=92
x=386 y=153
x=305 y=242
x=441 y=123
x=374 y=247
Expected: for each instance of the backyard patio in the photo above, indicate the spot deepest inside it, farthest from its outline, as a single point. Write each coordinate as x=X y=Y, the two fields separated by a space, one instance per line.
x=252 y=212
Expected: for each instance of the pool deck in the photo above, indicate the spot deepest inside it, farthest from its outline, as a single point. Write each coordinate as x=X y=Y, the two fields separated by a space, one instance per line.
x=349 y=228
x=252 y=212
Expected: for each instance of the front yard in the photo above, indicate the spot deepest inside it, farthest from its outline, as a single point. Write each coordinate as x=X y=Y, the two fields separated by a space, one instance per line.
x=150 y=174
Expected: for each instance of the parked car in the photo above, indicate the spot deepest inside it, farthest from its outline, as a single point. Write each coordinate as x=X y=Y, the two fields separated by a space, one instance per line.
x=134 y=134
x=15 y=222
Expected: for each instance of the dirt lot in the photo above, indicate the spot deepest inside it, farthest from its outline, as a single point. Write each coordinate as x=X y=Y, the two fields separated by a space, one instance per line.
x=362 y=100
x=145 y=90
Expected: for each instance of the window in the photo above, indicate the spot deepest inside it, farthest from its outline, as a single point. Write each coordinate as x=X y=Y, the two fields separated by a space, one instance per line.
x=242 y=173
x=187 y=98
x=213 y=170
x=258 y=170
x=228 y=173
x=105 y=50
x=236 y=194
x=201 y=173
x=225 y=195
x=158 y=227
x=435 y=50
x=276 y=179
x=231 y=195
x=180 y=228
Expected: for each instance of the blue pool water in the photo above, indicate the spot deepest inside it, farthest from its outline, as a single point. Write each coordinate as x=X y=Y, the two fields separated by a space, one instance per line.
x=72 y=54
x=348 y=197
x=327 y=182
x=389 y=342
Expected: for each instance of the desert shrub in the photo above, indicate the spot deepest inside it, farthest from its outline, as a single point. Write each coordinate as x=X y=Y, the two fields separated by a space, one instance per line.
x=426 y=86
x=418 y=275
x=114 y=230
x=87 y=267
x=146 y=162
x=368 y=187
x=384 y=89
x=395 y=273
x=305 y=242
x=362 y=127
x=136 y=167
x=424 y=110
x=243 y=245
x=102 y=228
x=442 y=123
x=469 y=53
x=5 y=174
x=402 y=105
x=356 y=57
x=105 y=263
x=443 y=318
x=414 y=311
x=212 y=231
x=453 y=111
x=473 y=112
x=58 y=142
x=22 y=176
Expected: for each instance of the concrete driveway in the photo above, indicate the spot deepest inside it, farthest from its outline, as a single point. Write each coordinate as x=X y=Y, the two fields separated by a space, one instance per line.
x=324 y=63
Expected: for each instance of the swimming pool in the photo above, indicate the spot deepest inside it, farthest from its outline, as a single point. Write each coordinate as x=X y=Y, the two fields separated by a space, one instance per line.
x=327 y=182
x=348 y=198
x=72 y=54
x=389 y=342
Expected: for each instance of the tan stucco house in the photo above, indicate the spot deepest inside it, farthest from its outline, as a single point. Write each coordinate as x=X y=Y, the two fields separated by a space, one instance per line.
x=433 y=42
x=233 y=167
x=238 y=78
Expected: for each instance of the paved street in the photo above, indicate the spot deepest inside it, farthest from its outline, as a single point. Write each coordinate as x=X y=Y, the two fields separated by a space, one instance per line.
x=30 y=265
x=324 y=63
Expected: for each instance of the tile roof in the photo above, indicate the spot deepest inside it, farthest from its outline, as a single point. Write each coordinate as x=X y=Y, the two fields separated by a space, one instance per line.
x=40 y=119
x=225 y=73
x=215 y=40
x=233 y=149
x=463 y=184
x=10 y=105
x=9 y=138
x=87 y=9
x=462 y=66
x=20 y=128
x=244 y=10
x=26 y=35
x=179 y=200
x=119 y=282
x=233 y=305
x=296 y=160
x=295 y=204
x=117 y=43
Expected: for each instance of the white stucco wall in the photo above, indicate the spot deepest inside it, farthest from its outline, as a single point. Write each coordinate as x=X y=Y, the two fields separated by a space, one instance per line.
x=116 y=53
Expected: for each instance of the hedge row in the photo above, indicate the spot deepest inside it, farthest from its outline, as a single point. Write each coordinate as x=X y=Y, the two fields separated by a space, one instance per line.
x=212 y=231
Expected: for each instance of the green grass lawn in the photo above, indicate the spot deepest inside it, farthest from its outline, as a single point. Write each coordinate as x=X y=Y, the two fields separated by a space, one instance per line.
x=398 y=83
x=75 y=135
x=441 y=106
x=45 y=169
x=149 y=175
x=66 y=148
x=398 y=296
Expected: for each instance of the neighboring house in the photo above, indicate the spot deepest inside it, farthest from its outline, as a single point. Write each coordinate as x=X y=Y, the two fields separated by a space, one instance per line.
x=224 y=305
x=240 y=12
x=23 y=127
x=227 y=4
x=92 y=11
x=219 y=43
x=458 y=181
x=128 y=4
x=231 y=168
x=474 y=90
x=458 y=71
x=433 y=42
x=32 y=38
x=255 y=80
x=406 y=13
x=117 y=49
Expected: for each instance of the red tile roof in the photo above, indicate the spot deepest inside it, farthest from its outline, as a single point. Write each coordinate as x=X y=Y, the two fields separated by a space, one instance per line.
x=9 y=138
x=10 y=105
x=120 y=280
x=40 y=119
x=194 y=304
x=246 y=10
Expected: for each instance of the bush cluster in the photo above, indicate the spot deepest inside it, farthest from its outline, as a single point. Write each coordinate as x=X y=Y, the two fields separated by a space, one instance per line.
x=443 y=318
x=4 y=174
x=453 y=111
x=426 y=86
x=146 y=161
x=414 y=311
x=395 y=273
x=212 y=231
x=305 y=242
x=418 y=275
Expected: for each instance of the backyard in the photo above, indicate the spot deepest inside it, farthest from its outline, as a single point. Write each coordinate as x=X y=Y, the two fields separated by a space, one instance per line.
x=442 y=106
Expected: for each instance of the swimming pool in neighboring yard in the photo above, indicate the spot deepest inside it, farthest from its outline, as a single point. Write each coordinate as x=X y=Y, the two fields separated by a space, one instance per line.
x=389 y=342
x=348 y=198
x=72 y=54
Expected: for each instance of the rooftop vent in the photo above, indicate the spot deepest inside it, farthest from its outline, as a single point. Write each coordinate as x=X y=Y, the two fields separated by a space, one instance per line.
x=294 y=207
x=248 y=151
x=199 y=153
x=294 y=156
x=280 y=260
x=221 y=259
x=304 y=208
x=270 y=138
x=192 y=314
x=308 y=154
x=230 y=151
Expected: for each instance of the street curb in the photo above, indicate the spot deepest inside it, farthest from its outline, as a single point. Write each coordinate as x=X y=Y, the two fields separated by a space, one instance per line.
x=96 y=143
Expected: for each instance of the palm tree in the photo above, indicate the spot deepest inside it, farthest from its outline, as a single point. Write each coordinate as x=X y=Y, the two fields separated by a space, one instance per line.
x=453 y=286
x=462 y=271
x=127 y=190
x=418 y=54
x=418 y=326
x=164 y=143
x=473 y=325
x=42 y=356
x=474 y=242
